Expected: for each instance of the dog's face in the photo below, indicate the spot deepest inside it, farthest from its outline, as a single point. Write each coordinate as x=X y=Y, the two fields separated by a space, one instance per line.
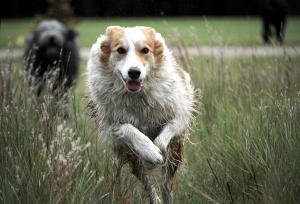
x=132 y=53
x=51 y=36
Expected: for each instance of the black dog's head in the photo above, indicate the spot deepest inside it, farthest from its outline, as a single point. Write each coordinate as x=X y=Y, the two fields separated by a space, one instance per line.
x=52 y=48
x=51 y=36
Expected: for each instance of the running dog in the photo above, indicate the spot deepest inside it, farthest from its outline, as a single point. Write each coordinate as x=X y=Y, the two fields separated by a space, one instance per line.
x=143 y=102
x=52 y=47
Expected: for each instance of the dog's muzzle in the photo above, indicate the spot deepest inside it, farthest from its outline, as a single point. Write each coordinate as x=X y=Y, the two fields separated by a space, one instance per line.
x=133 y=84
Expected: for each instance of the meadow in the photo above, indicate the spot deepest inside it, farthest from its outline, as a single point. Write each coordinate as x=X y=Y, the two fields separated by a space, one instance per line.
x=245 y=146
x=192 y=30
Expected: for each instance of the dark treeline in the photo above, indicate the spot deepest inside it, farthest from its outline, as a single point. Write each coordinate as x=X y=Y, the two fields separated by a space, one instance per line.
x=29 y=8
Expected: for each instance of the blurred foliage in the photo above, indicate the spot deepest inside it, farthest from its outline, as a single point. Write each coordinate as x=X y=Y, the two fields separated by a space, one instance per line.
x=61 y=10
x=193 y=31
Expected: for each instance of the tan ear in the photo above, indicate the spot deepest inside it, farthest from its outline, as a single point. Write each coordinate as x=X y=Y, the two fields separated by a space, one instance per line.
x=149 y=33
x=158 y=50
x=113 y=29
x=112 y=34
x=105 y=44
x=105 y=52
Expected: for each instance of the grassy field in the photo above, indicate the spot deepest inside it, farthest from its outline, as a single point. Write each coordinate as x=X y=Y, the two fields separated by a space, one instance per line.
x=200 y=30
x=245 y=147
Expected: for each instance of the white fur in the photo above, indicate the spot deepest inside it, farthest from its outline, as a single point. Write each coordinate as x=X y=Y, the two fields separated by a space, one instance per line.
x=131 y=61
x=132 y=119
x=141 y=143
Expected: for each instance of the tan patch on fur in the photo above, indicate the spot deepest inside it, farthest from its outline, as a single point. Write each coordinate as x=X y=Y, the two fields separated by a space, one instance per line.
x=105 y=53
x=114 y=36
x=175 y=159
x=149 y=43
x=149 y=36
x=155 y=47
x=141 y=56
x=158 y=54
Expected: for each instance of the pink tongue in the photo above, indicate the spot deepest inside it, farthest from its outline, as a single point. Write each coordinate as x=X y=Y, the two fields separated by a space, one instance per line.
x=133 y=85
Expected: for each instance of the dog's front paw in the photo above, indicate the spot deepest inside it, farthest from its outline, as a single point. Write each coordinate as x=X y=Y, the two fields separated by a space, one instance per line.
x=161 y=143
x=153 y=154
x=140 y=143
x=150 y=153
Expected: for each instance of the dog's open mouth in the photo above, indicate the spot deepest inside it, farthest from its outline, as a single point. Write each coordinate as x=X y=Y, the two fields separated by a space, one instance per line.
x=133 y=85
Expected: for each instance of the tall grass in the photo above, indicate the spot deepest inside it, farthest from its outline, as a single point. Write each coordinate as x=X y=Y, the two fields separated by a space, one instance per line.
x=245 y=147
x=44 y=157
x=247 y=138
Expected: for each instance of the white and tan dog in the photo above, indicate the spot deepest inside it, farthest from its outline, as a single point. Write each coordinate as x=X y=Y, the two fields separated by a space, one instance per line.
x=143 y=102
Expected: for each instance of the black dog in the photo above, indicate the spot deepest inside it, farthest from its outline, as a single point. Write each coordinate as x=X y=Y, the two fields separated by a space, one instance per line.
x=52 y=47
x=274 y=18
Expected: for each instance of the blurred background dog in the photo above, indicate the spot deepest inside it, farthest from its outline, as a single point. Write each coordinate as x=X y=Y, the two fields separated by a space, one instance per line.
x=274 y=20
x=52 y=50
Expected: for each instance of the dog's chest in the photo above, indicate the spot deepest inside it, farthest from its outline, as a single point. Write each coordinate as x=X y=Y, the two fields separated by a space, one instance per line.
x=148 y=115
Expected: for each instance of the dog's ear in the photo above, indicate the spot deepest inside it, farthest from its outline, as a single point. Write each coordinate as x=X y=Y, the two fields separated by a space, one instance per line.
x=149 y=33
x=113 y=30
x=156 y=41
x=72 y=34
x=111 y=34
x=114 y=34
x=158 y=50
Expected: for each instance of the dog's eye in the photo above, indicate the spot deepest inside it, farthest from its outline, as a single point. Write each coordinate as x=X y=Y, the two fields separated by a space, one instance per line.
x=121 y=50
x=145 y=50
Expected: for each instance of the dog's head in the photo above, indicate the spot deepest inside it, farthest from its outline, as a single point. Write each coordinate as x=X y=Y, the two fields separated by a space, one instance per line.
x=51 y=36
x=133 y=54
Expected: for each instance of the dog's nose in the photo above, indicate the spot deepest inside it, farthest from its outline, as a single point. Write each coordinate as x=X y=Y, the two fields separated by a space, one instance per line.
x=134 y=73
x=51 y=39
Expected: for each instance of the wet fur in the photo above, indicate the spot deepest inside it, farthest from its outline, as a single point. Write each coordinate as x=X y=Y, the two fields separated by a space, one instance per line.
x=142 y=128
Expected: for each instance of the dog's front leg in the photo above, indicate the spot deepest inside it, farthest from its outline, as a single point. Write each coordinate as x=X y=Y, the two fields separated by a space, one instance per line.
x=140 y=143
x=176 y=127
x=173 y=161
x=139 y=170
x=173 y=156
